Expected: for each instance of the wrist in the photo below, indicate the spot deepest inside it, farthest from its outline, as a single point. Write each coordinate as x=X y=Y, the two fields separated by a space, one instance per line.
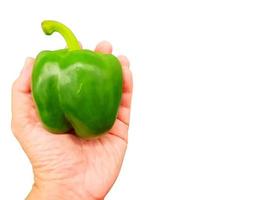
x=56 y=191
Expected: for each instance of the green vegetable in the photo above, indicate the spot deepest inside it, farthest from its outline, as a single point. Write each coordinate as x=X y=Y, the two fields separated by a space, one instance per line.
x=75 y=88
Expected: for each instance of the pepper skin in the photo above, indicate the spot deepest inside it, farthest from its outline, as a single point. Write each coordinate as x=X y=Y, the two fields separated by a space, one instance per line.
x=76 y=89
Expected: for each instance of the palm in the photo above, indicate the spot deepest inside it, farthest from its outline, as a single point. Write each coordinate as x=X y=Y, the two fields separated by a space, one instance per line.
x=91 y=164
x=94 y=164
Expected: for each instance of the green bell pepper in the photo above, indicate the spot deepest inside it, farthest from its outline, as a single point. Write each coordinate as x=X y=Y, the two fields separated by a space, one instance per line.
x=76 y=89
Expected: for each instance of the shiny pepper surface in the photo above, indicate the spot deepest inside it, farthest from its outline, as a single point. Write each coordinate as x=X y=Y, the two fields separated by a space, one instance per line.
x=74 y=89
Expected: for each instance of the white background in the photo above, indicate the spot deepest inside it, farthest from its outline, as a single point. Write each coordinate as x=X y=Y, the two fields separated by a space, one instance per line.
x=198 y=124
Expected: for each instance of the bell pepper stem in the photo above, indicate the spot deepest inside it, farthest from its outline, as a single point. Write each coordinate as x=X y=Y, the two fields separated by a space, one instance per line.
x=49 y=27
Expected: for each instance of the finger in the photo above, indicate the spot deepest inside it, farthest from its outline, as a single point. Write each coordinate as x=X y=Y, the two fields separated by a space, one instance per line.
x=21 y=99
x=124 y=114
x=127 y=82
x=126 y=100
x=127 y=75
x=104 y=47
x=23 y=82
x=120 y=129
x=124 y=61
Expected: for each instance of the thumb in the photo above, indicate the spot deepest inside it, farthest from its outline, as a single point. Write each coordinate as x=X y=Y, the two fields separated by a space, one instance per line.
x=20 y=96
x=22 y=84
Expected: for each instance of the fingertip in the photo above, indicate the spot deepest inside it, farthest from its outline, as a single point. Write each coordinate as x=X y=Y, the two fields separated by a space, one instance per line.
x=29 y=61
x=104 y=47
x=124 y=61
x=28 y=66
x=22 y=83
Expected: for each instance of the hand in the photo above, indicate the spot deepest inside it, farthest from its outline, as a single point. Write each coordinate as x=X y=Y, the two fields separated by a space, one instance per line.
x=65 y=166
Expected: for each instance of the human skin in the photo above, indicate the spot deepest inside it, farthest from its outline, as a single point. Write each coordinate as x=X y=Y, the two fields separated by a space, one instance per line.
x=65 y=166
